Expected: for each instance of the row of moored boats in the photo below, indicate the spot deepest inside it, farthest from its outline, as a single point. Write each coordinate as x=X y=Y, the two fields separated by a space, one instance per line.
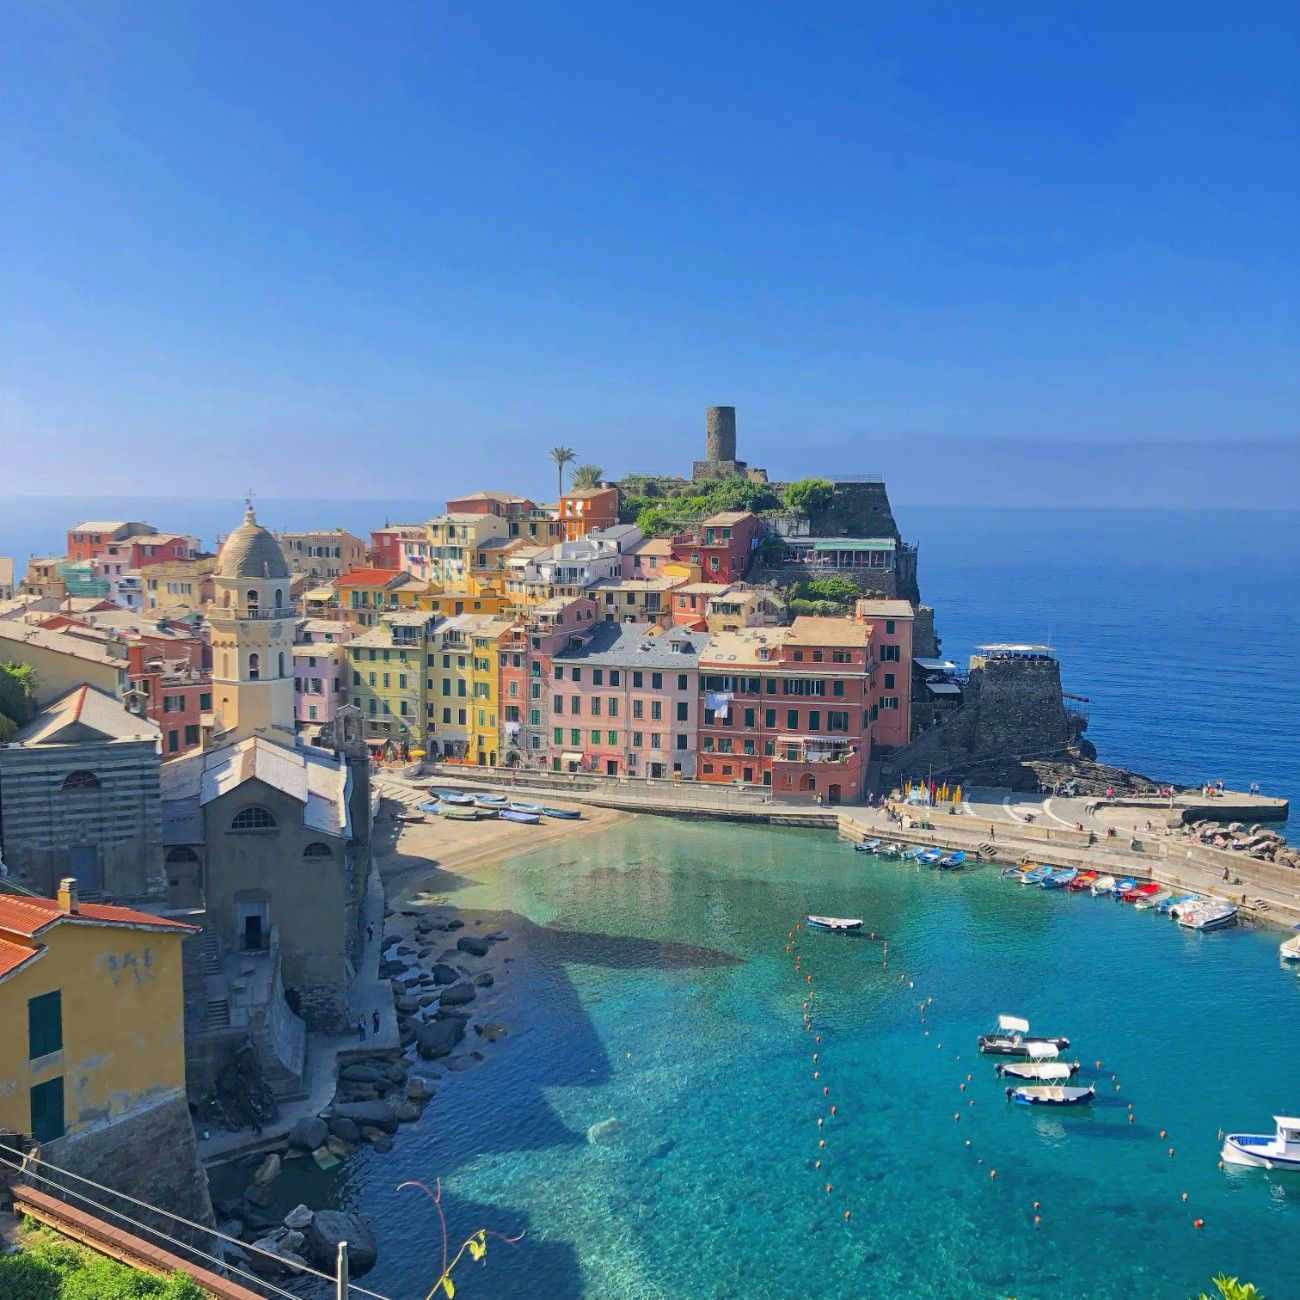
x=457 y=805
x=1190 y=910
x=1042 y=1078
x=927 y=856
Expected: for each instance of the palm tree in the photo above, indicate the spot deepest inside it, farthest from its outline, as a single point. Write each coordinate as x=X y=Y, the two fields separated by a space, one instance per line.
x=562 y=456
x=587 y=476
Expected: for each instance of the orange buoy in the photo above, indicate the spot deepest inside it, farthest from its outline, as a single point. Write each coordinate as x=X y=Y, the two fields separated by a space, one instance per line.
x=961 y=1087
x=1130 y=1117
x=828 y=1188
x=1198 y=1224
x=848 y=1214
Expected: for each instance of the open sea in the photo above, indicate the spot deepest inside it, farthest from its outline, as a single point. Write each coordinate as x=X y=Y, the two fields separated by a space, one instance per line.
x=648 y=982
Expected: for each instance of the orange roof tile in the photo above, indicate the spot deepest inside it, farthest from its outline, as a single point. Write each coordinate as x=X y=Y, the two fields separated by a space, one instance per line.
x=30 y=916
x=13 y=956
x=367 y=577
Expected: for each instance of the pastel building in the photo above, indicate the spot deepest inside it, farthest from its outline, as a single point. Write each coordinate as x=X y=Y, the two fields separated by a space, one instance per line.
x=636 y=600
x=504 y=505
x=322 y=553
x=723 y=545
x=891 y=626
x=625 y=701
x=584 y=509
x=788 y=708
x=93 y=537
x=387 y=678
x=453 y=540
x=362 y=595
x=320 y=671
x=386 y=544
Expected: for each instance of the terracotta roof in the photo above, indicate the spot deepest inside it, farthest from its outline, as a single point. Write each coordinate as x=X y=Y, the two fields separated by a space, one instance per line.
x=724 y=518
x=814 y=630
x=367 y=577
x=13 y=956
x=30 y=916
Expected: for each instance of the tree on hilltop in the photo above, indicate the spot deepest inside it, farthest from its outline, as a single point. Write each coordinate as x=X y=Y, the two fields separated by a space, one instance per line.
x=808 y=496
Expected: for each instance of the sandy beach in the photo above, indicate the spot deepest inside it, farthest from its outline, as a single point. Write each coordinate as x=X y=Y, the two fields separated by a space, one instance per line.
x=420 y=857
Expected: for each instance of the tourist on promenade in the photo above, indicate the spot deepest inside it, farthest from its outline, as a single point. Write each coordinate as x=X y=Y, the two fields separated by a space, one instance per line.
x=361 y=1028
x=374 y=1020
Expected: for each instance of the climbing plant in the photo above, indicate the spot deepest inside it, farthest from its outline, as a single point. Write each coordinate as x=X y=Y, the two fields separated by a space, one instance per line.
x=475 y=1245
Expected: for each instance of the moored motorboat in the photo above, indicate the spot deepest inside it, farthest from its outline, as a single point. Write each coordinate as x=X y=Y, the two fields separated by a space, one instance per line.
x=1102 y=885
x=1122 y=885
x=836 y=924
x=891 y=850
x=1280 y=1150
x=1143 y=889
x=868 y=846
x=565 y=814
x=1013 y=1039
x=1289 y=949
x=914 y=853
x=1212 y=914
x=953 y=860
x=1058 y=878
x=929 y=856
x=516 y=815
x=1014 y=873
x=1082 y=880
x=1177 y=906
x=1149 y=901
x=1051 y=1094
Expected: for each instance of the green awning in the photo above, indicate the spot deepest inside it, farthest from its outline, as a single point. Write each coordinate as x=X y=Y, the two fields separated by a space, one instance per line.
x=854 y=544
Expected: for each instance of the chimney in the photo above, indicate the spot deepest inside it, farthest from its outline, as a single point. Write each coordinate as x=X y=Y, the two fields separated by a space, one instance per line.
x=68 y=895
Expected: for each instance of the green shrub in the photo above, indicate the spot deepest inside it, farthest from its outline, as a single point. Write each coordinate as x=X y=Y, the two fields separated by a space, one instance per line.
x=52 y=1268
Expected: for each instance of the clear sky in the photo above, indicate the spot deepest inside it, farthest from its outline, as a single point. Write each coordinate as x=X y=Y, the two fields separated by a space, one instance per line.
x=400 y=250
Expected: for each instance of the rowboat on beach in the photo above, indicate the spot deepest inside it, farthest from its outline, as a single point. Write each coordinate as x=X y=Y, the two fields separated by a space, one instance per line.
x=429 y=806
x=519 y=806
x=453 y=796
x=565 y=814
x=491 y=800
x=1012 y=1038
x=835 y=924
x=458 y=814
x=514 y=815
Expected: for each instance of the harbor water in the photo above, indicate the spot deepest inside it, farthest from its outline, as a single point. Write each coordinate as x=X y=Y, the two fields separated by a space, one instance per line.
x=650 y=983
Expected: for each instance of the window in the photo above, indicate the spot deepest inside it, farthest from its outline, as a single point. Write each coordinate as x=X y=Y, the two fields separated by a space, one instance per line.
x=575 y=737
x=192 y=732
x=889 y=701
x=792 y=719
x=595 y=706
x=837 y=721
x=656 y=710
x=683 y=682
x=814 y=720
x=47 y=1110
x=558 y=735
x=317 y=850
x=679 y=741
x=837 y=686
x=637 y=678
x=598 y=677
x=841 y=657
x=708 y=769
x=173 y=741
x=769 y=717
x=798 y=656
x=254 y=818
x=749 y=717
x=81 y=781
x=889 y=681
x=615 y=677
x=613 y=706
x=44 y=1024
x=817 y=656
x=205 y=701
x=657 y=681
x=638 y=740
x=890 y=654
x=889 y=627
x=683 y=710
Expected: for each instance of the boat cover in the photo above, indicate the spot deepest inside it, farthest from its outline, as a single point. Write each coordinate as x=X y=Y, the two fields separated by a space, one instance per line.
x=1042 y=1051
x=1013 y=1025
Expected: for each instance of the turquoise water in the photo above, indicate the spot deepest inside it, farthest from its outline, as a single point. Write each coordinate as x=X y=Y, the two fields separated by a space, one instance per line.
x=650 y=982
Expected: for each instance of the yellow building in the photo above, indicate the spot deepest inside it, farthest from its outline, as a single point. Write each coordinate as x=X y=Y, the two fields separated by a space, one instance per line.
x=637 y=600
x=362 y=595
x=485 y=670
x=63 y=662
x=91 y=1014
x=469 y=597
x=387 y=677
x=456 y=542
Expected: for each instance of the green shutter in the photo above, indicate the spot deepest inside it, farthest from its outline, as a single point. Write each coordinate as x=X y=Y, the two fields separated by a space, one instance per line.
x=44 y=1024
x=47 y=1110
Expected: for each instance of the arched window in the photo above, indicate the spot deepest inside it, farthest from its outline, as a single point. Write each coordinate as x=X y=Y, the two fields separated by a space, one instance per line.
x=225 y=664
x=250 y=599
x=317 y=850
x=281 y=672
x=253 y=818
x=254 y=667
x=81 y=781
x=181 y=854
x=279 y=598
x=225 y=600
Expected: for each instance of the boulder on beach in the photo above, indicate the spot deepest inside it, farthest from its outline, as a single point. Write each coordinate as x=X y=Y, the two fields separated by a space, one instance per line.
x=372 y=1114
x=359 y=1073
x=475 y=947
x=497 y=936
x=308 y=1133
x=406 y=1111
x=444 y=974
x=343 y=1128
x=483 y=980
x=419 y=1088
x=457 y=995
x=438 y=1037
x=328 y=1228
x=258 y=1194
x=605 y=1131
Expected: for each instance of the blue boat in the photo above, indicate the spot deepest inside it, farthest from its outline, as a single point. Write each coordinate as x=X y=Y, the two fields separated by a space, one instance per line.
x=1176 y=900
x=867 y=846
x=1036 y=875
x=1123 y=886
x=953 y=860
x=519 y=806
x=491 y=800
x=914 y=854
x=929 y=856
x=453 y=796
x=514 y=815
x=567 y=814
x=1058 y=878
x=428 y=807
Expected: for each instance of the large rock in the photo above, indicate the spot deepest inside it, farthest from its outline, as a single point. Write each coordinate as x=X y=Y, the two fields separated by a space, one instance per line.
x=342 y=1128
x=376 y=1114
x=484 y=980
x=268 y=1171
x=493 y=1030
x=406 y=1111
x=418 y=1088
x=444 y=974
x=298 y=1218
x=259 y=1195
x=606 y=1131
x=328 y=1228
x=438 y=1037
x=457 y=995
x=308 y=1133
x=475 y=947
x=360 y=1073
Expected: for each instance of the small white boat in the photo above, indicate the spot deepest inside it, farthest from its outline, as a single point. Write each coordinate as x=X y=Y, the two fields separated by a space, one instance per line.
x=1289 y=949
x=1051 y=1094
x=1281 y=1150
x=1042 y=1066
x=1102 y=885
x=891 y=850
x=1181 y=905
x=1148 y=901
x=836 y=924
x=867 y=846
x=1013 y=1039
x=1212 y=914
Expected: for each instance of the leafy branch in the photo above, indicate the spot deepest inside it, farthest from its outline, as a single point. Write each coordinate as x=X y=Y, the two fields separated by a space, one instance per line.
x=476 y=1244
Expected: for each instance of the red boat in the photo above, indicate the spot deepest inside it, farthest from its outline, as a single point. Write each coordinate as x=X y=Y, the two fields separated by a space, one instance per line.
x=1084 y=880
x=1144 y=890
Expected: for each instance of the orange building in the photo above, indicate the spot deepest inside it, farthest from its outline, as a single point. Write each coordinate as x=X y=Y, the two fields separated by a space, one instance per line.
x=582 y=509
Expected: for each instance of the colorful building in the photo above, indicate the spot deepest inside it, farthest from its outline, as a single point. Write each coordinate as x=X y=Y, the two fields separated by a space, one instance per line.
x=320 y=671
x=322 y=553
x=891 y=626
x=94 y=536
x=485 y=637
x=636 y=600
x=505 y=505
x=362 y=595
x=788 y=708
x=388 y=682
x=625 y=701
x=584 y=509
x=723 y=545
x=63 y=662
x=386 y=544
x=453 y=541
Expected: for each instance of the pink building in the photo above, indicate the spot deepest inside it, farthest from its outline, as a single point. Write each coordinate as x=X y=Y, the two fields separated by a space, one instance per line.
x=625 y=701
x=386 y=543
x=505 y=505
x=890 y=697
x=723 y=545
x=319 y=671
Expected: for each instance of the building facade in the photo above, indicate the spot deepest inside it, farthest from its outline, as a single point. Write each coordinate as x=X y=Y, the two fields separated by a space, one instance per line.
x=321 y=554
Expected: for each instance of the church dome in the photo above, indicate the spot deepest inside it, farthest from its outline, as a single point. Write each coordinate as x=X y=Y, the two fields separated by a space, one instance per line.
x=251 y=552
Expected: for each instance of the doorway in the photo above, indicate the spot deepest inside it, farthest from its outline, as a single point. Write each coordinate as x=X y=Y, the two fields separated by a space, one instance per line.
x=254 y=931
x=83 y=866
x=611 y=767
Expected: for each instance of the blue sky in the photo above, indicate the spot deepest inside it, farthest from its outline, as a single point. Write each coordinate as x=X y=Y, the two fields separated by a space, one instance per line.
x=991 y=251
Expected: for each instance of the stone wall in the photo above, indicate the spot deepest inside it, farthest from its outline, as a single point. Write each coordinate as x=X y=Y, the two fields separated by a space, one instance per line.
x=150 y=1154
x=857 y=510
x=925 y=640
